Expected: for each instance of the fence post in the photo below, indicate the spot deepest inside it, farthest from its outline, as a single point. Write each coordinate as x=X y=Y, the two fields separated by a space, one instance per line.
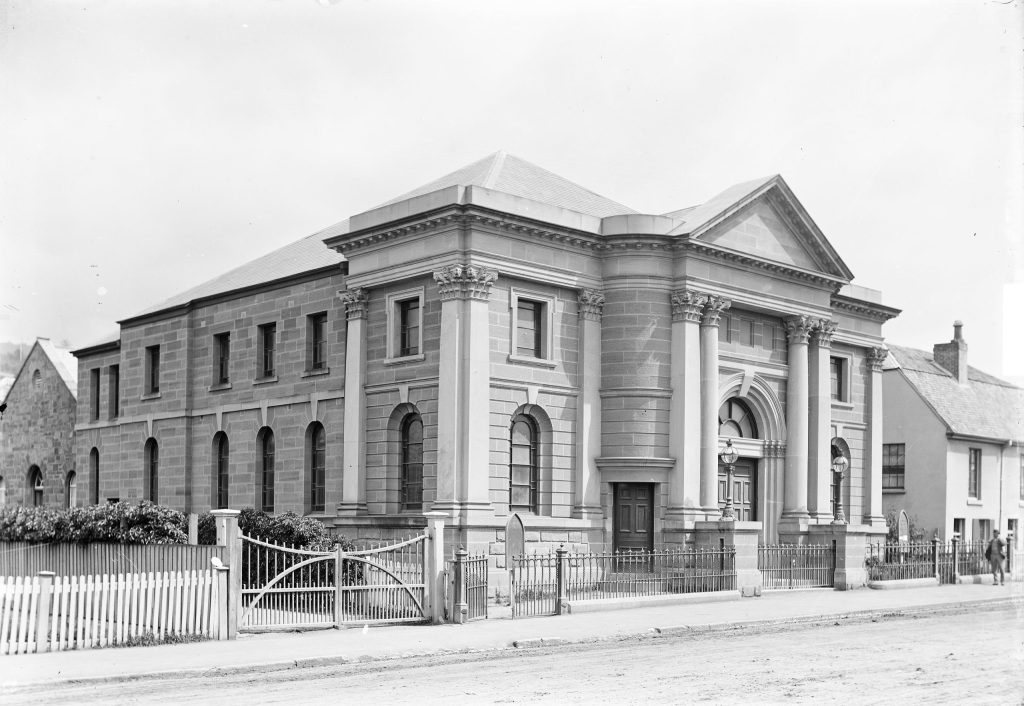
x=461 y=607
x=45 y=579
x=560 y=597
x=434 y=565
x=230 y=538
x=193 y=528
x=220 y=575
x=956 y=559
x=935 y=557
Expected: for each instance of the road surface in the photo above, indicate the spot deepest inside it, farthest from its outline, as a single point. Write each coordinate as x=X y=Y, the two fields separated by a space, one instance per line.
x=947 y=658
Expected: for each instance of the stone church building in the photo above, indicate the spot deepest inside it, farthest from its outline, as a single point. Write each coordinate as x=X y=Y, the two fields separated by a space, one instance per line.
x=502 y=341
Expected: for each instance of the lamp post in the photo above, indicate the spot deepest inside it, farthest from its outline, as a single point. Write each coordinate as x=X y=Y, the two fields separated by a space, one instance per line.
x=839 y=466
x=728 y=456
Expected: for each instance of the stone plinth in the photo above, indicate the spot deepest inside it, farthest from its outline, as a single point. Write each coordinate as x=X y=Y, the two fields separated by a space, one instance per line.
x=851 y=545
x=712 y=534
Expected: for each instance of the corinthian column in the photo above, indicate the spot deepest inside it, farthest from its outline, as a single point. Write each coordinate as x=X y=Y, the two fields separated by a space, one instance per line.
x=684 y=440
x=820 y=443
x=464 y=390
x=588 y=414
x=713 y=309
x=795 y=504
x=353 y=483
x=873 y=453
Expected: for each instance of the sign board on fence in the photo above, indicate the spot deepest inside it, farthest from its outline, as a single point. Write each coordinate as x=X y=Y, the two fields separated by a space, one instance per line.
x=515 y=539
x=903 y=527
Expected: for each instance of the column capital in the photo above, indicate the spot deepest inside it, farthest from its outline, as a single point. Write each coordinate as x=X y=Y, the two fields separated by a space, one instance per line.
x=876 y=358
x=799 y=328
x=355 y=301
x=823 y=330
x=774 y=448
x=465 y=281
x=591 y=303
x=687 y=305
x=713 y=308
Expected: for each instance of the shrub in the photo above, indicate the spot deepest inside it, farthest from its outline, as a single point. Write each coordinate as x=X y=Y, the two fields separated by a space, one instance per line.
x=286 y=529
x=141 y=523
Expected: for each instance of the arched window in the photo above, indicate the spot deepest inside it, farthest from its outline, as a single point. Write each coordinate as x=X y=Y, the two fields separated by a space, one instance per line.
x=524 y=472
x=94 y=474
x=317 y=467
x=412 y=463
x=37 y=378
x=221 y=465
x=35 y=486
x=735 y=420
x=266 y=446
x=152 y=456
x=72 y=489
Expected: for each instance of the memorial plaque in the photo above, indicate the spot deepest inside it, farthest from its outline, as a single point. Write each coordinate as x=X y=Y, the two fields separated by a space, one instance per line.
x=515 y=539
x=903 y=527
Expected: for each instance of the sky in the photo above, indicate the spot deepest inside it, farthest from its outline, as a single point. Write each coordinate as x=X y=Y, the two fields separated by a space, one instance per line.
x=148 y=147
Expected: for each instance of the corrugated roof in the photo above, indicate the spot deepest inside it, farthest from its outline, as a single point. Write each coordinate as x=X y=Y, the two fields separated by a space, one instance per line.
x=511 y=175
x=987 y=406
x=298 y=257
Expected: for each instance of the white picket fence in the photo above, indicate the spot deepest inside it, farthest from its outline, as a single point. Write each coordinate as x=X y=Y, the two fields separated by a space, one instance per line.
x=44 y=612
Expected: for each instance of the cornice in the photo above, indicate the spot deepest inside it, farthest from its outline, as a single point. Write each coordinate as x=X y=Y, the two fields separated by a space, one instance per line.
x=868 y=310
x=107 y=347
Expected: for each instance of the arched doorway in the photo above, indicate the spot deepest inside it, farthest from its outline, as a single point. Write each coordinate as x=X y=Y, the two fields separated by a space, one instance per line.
x=736 y=421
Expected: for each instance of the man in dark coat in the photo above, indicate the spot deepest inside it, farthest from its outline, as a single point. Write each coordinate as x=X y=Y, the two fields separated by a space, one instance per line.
x=995 y=556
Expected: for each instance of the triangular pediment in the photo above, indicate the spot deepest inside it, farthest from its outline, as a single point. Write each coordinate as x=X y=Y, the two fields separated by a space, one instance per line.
x=763 y=219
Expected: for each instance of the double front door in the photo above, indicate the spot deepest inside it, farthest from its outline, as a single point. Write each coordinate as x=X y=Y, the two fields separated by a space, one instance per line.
x=744 y=489
x=634 y=517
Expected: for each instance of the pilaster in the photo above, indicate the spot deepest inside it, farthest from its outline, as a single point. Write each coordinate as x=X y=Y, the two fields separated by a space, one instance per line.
x=684 y=435
x=353 y=480
x=710 y=314
x=873 y=514
x=588 y=437
x=819 y=455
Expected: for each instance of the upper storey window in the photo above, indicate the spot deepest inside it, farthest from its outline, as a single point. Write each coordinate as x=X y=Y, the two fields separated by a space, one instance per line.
x=405 y=325
x=222 y=362
x=531 y=327
x=316 y=332
x=267 y=350
x=152 y=370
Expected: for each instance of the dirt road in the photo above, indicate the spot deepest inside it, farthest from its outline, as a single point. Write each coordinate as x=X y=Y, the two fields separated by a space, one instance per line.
x=898 y=659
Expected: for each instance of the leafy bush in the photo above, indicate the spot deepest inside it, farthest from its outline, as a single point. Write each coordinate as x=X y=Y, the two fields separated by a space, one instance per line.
x=287 y=529
x=141 y=523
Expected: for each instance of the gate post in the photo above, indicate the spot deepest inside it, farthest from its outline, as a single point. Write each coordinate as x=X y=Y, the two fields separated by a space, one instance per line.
x=560 y=597
x=43 y=611
x=230 y=539
x=935 y=558
x=461 y=607
x=956 y=559
x=433 y=566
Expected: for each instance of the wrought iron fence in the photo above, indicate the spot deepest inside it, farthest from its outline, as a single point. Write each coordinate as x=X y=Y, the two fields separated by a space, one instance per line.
x=541 y=583
x=466 y=587
x=786 y=566
x=970 y=559
x=907 y=560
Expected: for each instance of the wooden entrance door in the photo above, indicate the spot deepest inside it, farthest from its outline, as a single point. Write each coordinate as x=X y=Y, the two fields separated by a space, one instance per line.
x=744 y=489
x=634 y=517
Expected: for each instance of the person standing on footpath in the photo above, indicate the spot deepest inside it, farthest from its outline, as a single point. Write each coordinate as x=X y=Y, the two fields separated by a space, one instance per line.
x=994 y=554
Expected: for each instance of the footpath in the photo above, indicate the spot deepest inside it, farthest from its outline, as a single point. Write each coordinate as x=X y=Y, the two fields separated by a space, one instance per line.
x=279 y=651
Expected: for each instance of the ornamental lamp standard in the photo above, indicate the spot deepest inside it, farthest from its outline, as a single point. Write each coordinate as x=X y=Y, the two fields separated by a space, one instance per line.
x=839 y=466
x=728 y=456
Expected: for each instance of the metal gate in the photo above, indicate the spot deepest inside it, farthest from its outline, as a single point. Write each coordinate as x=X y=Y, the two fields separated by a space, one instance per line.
x=284 y=588
x=470 y=601
x=785 y=566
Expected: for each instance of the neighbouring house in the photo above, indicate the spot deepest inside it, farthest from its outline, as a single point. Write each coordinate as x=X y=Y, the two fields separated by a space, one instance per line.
x=503 y=341
x=952 y=443
x=37 y=431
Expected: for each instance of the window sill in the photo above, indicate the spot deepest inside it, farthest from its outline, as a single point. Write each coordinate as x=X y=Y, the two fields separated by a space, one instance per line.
x=150 y=396
x=265 y=381
x=536 y=362
x=219 y=386
x=315 y=373
x=893 y=491
x=975 y=501
x=419 y=358
x=837 y=404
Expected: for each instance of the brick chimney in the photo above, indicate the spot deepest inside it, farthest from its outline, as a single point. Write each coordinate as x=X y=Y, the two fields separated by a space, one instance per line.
x=953 y=355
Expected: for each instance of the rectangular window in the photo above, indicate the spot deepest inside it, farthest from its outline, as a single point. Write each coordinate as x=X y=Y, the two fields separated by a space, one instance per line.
x=222 y=350
x=267 y=346
x=316 y=330
x=974 y=474
x=959 y=526
x=152 y=370
x=114 y=391
x=409 y=327
x=94 y=391
x=893 y=466
x=529 y=329
x=838 y=371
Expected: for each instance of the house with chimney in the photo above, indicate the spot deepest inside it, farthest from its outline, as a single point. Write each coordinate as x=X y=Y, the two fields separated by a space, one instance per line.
x=952 y=436
x=500 y=342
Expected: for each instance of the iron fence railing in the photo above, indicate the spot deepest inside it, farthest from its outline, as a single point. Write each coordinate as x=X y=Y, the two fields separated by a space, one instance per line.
x=540 y=584
x=970 y=559
x=786 y=566
x=466 y=587
x=902 y=560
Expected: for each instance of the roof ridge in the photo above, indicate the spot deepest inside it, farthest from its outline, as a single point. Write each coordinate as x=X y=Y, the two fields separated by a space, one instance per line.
x=496 y=167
